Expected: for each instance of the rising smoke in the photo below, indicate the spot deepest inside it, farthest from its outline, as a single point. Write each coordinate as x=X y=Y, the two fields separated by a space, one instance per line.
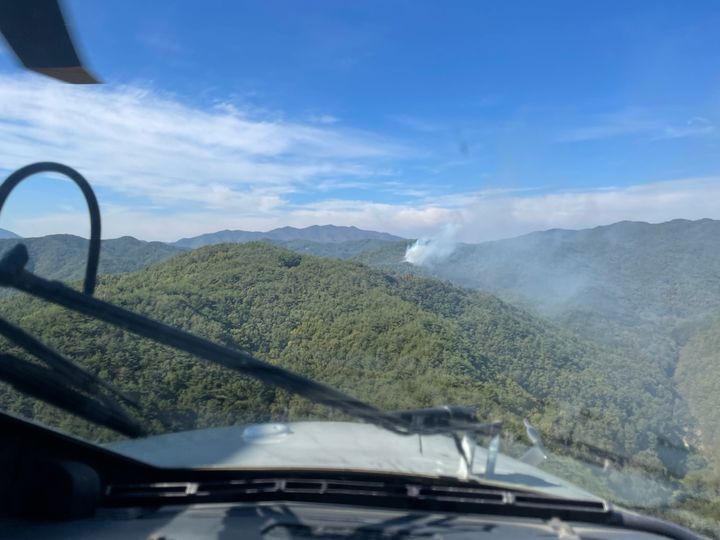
x=428 y=251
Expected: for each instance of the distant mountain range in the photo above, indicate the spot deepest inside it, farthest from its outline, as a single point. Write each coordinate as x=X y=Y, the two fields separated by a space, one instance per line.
x=314 y=233
x=4 y=233
x=63 y=256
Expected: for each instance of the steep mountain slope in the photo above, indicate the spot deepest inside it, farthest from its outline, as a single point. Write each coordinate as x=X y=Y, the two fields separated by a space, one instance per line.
x=397 y=342
x=314 y=233
x=63 y=256
x=647 y=290
x=698 y=376
x=636 y=285
x=670 y=270
x=664 y=270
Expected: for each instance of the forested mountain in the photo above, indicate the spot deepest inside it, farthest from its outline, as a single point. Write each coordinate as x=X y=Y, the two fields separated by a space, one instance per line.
x=395 y=341
x=645 y=288
x=669 y=270
x=63 y=256
x=314 y=233
x=639 y=289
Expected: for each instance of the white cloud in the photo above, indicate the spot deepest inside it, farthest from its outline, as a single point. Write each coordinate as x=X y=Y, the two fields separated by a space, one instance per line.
x=195 y=170
x=138 y=142
x=492 y=217
x=604 y=126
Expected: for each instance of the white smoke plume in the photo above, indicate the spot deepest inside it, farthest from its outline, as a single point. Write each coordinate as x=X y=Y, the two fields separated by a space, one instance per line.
x=428 y=251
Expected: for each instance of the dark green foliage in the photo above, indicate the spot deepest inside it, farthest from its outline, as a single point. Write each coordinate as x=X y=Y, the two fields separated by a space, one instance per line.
x=698 y=376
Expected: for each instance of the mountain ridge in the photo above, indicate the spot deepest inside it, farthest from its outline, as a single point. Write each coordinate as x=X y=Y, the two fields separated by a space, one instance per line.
x=313 y=233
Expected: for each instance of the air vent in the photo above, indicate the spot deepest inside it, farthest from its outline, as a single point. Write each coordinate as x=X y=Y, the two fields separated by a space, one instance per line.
x=394 y=494
x=476 y=496
x=537 y=501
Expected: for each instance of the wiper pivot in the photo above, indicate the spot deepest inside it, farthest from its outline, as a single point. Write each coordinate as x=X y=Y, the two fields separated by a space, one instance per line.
x=446 y=419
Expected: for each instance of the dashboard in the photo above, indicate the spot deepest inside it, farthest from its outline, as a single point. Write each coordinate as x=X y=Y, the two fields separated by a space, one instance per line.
x=280 y=521
x=55 y=486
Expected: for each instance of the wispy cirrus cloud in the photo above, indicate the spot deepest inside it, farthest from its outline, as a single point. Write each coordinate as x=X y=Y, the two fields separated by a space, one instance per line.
x=324 y=119
x=634 y=122
x=694 y=127
x=140 y=142
x=614 y=124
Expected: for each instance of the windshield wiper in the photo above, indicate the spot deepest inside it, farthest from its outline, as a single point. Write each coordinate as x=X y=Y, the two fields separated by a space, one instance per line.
x=51 y=387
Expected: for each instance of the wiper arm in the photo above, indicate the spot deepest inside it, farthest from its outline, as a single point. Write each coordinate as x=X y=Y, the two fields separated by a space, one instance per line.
x=51 y=387
x=460 y=423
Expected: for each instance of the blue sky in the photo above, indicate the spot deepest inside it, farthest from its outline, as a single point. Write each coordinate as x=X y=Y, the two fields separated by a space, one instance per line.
x=488 y=118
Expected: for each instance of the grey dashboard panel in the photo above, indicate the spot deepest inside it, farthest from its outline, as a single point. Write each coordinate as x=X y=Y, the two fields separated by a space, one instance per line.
x=278 y=521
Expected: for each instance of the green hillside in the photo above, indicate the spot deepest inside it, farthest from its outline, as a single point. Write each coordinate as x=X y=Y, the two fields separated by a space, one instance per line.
x=660 y=273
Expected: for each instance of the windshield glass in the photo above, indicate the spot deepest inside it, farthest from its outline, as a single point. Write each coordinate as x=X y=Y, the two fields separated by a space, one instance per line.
x=509 y=207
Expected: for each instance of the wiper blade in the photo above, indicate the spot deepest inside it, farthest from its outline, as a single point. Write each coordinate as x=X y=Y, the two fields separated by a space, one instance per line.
x=50 y=387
